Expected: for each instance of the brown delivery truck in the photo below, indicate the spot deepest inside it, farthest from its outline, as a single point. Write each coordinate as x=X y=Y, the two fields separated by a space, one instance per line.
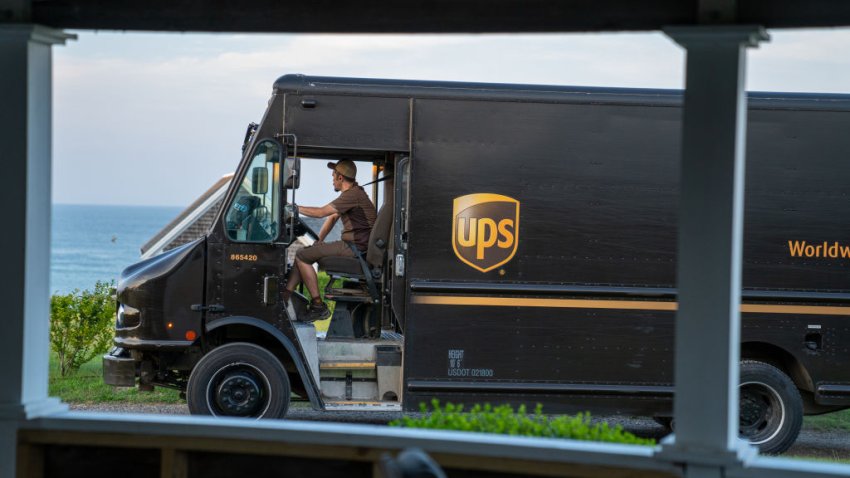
x=524 y=252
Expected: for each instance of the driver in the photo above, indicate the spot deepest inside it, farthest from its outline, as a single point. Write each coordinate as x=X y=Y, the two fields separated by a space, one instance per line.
x=358 y=216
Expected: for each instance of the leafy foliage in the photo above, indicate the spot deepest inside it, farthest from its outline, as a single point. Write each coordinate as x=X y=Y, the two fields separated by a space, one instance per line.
x=81 y=325
x=503 y=420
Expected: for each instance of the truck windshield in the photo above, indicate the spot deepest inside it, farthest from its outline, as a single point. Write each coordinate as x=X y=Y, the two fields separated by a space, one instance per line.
x=253 y=214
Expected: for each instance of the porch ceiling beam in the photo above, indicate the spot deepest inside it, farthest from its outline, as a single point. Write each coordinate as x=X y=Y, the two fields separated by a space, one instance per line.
x=436 y=16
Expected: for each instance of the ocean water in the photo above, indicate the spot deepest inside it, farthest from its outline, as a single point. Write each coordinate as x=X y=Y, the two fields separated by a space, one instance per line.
x=92 y=243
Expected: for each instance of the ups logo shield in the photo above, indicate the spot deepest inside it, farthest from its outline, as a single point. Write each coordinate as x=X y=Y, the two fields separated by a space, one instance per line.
x=485 y=230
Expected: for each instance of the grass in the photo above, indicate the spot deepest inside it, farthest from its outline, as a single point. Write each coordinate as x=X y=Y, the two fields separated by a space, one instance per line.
x=86 y=386
x=824 y=459
x=835 y=421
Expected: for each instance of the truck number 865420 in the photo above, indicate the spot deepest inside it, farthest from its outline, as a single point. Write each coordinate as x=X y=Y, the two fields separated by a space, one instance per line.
x=243 y=257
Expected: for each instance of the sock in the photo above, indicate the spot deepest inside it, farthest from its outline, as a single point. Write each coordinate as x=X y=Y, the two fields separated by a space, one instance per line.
x=286 y=295
x=317 y=301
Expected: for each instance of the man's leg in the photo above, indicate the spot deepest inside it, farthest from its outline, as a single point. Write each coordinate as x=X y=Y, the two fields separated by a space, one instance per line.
x=304 y=260
x=303 y=271
x=311 y=280
x=318 y=310
x=292 y=282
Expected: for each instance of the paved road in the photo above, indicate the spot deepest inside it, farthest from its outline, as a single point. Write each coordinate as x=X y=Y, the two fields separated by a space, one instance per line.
x=811 y=443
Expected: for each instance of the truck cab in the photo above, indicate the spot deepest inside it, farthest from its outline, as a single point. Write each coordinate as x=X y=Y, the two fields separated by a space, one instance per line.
x=228 y=339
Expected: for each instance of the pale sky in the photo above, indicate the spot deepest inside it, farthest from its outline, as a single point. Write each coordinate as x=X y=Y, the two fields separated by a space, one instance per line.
x=155 y=119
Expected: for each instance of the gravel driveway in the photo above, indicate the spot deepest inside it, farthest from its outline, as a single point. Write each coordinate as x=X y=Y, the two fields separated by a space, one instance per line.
x=811 y=443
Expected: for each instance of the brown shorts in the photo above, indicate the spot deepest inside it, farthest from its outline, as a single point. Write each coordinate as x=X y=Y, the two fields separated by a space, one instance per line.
x=311 y=254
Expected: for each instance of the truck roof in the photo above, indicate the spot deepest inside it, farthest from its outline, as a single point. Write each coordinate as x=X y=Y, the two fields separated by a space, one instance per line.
x=302 y=84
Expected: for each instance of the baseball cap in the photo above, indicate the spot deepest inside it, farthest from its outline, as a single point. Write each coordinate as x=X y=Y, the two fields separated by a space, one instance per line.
x=344 y=167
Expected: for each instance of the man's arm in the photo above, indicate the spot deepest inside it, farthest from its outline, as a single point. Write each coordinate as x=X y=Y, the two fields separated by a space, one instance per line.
x=323 y=211
x=327 y=226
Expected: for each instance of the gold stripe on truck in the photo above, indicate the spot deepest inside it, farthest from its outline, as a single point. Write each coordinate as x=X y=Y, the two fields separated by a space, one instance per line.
x=616 y=304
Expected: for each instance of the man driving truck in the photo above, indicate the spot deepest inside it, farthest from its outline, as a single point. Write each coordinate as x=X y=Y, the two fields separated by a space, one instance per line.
x=358 y=216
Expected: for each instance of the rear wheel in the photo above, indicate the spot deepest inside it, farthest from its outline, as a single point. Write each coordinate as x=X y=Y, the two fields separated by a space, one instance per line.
x=771 y=409
x=666 y=422
x=239 y=380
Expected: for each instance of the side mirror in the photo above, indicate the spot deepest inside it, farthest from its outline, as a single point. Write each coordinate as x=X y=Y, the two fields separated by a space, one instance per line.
x=259 y=180
x=292 y=170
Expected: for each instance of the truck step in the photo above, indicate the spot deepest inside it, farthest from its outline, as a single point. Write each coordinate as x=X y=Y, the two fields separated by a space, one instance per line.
x=349 y=298
x=348 y=291
x=346 y=365
x=363 y=406
x=348 y=294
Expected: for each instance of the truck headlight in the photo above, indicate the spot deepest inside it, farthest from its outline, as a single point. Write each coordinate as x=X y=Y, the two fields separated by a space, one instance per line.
x=127 y=317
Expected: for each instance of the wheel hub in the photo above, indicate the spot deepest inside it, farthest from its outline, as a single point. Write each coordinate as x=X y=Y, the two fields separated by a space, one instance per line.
x=761 y=413
x=753 y=410
x=238 y=394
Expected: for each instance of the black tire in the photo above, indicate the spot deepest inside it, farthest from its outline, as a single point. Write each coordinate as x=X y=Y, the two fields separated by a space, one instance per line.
x=771 y=409
x=239 y=380
x=667 y=423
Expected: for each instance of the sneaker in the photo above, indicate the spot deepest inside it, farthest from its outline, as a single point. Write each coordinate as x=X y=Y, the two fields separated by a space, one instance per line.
x=317 y=312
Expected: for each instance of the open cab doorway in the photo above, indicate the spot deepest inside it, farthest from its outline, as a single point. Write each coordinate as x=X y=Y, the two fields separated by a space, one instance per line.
x=357 y=360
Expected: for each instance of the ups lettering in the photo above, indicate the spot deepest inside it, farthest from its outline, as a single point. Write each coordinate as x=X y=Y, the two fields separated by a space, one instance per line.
x=484 y=233
x=485 y=230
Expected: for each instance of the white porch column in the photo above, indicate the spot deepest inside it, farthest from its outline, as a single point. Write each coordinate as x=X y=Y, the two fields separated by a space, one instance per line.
x=25 y=155
x=709 y=246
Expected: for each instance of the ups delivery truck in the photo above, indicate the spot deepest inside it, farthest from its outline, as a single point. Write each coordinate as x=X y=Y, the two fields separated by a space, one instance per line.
x=524 y=252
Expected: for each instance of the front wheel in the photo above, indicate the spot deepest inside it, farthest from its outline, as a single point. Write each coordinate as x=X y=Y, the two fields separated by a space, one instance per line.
x=771 y=409
x=239 y=380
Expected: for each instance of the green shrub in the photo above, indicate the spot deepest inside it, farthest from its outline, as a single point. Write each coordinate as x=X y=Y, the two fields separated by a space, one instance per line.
x=323 y=278
x=81 y=325
x=503 y=420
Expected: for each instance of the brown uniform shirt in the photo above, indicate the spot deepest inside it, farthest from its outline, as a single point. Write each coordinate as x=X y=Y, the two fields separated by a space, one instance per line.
x=358 y=216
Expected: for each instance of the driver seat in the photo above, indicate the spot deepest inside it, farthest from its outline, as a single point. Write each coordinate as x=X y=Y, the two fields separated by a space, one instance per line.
x=365 y=268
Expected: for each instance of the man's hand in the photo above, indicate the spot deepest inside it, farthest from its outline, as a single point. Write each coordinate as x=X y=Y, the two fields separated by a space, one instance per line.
x=289 y=211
